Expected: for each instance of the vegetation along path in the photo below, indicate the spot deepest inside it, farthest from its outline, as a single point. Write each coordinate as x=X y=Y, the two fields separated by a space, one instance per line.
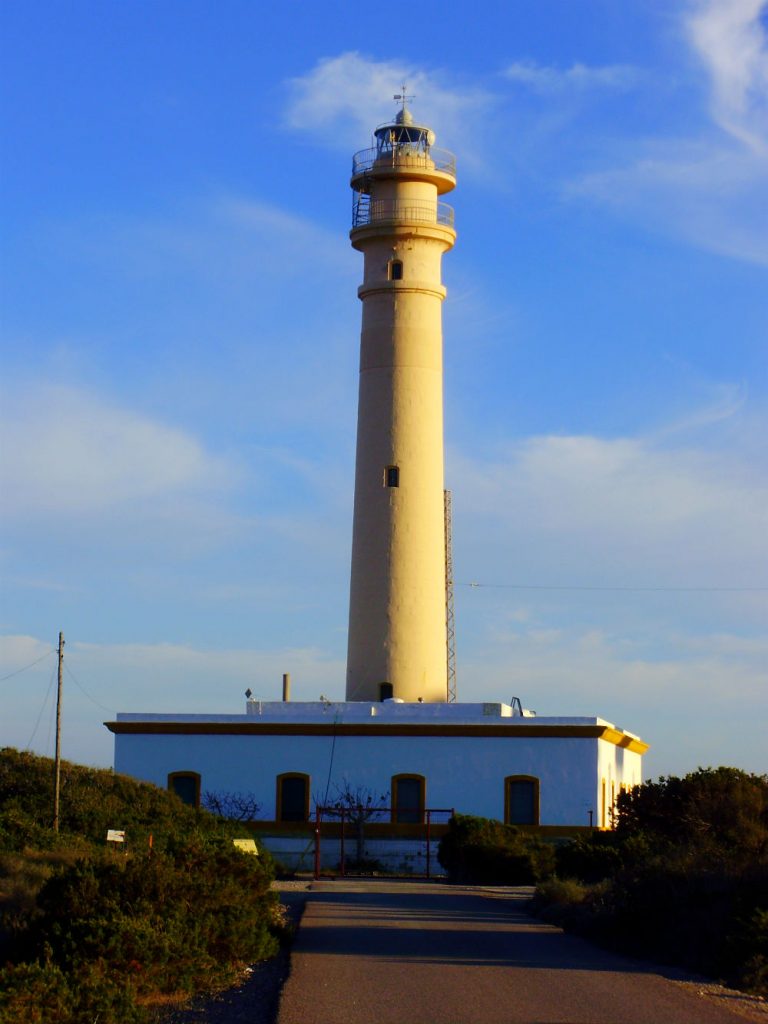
x=399 y=953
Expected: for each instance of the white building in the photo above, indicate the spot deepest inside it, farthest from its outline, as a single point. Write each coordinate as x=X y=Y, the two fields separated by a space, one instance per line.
x=555 y=776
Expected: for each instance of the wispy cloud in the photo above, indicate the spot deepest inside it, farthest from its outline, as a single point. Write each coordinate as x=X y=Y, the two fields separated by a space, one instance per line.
x=662 y=510
x=592 y=671
x=79 y=454
x=710 y=189
x=547 y=79
x=730 y=40
x=342 y=98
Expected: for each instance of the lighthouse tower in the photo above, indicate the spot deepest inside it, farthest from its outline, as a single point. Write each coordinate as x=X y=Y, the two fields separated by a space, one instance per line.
x=397 y=614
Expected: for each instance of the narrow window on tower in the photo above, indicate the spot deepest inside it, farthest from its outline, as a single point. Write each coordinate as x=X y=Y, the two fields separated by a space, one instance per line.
x=395 y=270
x=392 y=476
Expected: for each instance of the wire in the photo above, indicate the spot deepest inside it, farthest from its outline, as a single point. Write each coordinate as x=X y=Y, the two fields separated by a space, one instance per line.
x=42 y=709
x=631 y=590
x=84 y=691
x=19 y=670
x=330 y=763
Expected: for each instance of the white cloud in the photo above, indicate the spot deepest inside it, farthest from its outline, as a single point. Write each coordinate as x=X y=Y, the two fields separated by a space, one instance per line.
x=102 y=678
x=729 y=39
x=343 y=98
x=68 y=452
x=648 y=513
x=545 y=79
x=697 y=700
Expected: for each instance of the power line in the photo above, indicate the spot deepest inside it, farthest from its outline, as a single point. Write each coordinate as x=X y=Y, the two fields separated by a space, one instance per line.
x=629 y=590
x=42 y=709
x=82 y=689
x=31 y=664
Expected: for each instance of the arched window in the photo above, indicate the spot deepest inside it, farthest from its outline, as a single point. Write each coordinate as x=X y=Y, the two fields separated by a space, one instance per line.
x=386 y=691
x=395 y=270
x=186 y=786
x=408 y=799
x=292 y=797
x=521 y=800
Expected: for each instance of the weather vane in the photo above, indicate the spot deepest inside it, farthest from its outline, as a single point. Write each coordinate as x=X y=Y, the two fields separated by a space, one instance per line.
x=403 y=96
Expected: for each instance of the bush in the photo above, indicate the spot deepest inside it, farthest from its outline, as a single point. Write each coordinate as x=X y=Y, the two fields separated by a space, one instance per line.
x=684 y=876
x=179 y=921
x=97 y=935
x=482 y=851
x=44 y=994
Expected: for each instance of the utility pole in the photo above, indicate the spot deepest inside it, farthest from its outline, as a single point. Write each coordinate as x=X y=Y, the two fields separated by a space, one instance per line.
x=57 y=757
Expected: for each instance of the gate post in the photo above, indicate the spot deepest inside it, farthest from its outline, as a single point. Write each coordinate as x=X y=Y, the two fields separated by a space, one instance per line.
x=342 y=856
x=429 y=836
x=317 y=843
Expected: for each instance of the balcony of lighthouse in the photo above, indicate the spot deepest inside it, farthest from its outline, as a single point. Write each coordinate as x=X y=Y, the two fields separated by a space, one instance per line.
x=404 y=158
x=367 y=211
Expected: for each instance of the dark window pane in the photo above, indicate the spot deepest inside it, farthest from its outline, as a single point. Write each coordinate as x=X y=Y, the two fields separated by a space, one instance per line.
x=393 y=476
x=385 y=691
x=185 y=788
x=522 y=802
x=293 y=800
x=396 y=270
x=408 y=802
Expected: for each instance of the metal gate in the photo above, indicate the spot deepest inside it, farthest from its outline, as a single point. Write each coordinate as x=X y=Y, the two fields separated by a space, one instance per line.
x=421 y=831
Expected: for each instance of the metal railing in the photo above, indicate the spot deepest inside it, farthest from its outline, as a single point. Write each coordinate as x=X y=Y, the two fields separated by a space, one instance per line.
x=399 y=211
x=405 y=155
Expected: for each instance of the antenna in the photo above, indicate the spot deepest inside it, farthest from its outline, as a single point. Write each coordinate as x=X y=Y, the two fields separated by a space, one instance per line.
x=450 y=621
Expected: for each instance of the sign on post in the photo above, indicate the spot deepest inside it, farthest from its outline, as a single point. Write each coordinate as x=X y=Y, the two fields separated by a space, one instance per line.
x=115 y=835
x=246 y=845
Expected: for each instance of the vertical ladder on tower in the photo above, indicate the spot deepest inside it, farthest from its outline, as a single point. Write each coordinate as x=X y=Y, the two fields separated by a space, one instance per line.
x=450 y=624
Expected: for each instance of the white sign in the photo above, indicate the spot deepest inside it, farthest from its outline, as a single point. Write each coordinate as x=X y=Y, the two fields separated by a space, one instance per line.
x=115 y=835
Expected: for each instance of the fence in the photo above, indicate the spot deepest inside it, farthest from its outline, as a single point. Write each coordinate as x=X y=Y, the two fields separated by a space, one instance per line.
x=405 y=844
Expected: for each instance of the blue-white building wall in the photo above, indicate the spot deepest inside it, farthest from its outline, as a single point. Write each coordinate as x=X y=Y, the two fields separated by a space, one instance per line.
x=464 y=754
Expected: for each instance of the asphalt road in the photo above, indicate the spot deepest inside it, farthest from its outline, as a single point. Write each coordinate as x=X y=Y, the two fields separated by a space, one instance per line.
x=388 y=953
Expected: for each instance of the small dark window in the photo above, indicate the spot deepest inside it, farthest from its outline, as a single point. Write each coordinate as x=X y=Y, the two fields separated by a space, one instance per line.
x=522 y=801
x=186 y=786
x=392 y=476
x=408 y=799
x=385 y=691
x=396 y=270
x=292 y=797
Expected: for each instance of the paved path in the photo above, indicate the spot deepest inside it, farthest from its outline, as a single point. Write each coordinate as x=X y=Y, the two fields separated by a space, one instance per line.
x=389 y=953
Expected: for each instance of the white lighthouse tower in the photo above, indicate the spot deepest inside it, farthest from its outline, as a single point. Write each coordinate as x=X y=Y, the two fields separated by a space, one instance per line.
x=557 y=775
x=397 y=620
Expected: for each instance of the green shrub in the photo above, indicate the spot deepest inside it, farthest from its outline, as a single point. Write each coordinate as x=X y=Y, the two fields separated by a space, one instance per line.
x=723 y=812
x=44 y=994
x=590 y=858
x=685 y=876
x=96 y=934
x=181 y=920
x=484 y=852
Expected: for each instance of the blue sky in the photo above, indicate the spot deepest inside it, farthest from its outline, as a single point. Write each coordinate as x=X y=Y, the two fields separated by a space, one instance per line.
x=179 y=355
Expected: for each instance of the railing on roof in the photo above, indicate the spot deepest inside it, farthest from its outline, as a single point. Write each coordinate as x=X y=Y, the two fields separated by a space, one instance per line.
x=405 y=155
x=398 y=211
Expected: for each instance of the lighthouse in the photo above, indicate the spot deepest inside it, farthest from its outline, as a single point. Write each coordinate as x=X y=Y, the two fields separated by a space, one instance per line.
x=558 y=775
x=397 y=612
